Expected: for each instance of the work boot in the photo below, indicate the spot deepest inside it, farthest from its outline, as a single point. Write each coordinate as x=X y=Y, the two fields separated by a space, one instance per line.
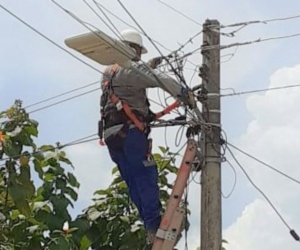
x=150 y=237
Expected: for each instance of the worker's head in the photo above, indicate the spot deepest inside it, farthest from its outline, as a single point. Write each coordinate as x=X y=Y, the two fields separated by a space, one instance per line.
x=133 y=39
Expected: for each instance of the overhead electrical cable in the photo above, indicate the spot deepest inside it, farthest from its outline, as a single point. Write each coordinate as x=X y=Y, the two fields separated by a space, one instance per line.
x=58 y=147
x=180 y=12
x=292 y=231
x=149 y=38
x=260 y=90
x=62 y=94
x=265 y=164
x=65 y=100
x=48 y=39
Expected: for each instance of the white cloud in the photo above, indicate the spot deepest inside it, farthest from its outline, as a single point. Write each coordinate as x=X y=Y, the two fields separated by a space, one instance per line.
x=258 y=228
x=272 y=136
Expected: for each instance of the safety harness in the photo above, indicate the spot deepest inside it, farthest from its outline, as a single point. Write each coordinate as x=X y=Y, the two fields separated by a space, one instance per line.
x=122 y=105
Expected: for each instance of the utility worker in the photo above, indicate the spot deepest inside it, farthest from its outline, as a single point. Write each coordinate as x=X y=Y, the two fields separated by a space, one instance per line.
x=126 y=140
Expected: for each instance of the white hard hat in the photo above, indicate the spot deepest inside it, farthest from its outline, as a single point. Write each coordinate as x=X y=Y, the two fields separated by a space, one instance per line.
x=132 y=36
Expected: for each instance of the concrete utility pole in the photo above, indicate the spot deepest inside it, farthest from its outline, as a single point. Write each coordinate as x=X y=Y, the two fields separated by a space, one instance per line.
x=211 y=219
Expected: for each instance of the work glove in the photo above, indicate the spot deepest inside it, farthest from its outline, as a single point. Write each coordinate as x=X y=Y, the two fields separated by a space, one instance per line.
x=154 y=62
x=188 y=98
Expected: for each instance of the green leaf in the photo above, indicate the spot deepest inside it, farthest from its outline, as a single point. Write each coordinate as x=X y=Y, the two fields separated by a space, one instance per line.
x=114 y=170
x=47 y=148
x=71 y=192
x=163 y=149
x=14 y=214
x=10 y=149
x=49 y=177
x=102 y=192
x=61 y=244
x=61 y=183
x=39 y=156
x=21 y=188
x=10 y=125
x=38 y=167
x=47 y=190
x=65 y=160
x=18 y=194
x=73 y=229
x=34 y=123
x=85 y=243
x=52 y=221
x=93 y=214
x=72 y=180
x=60 y=204
x=23 y=138
x=25 y=179
x=31 y=130
x=83 y=225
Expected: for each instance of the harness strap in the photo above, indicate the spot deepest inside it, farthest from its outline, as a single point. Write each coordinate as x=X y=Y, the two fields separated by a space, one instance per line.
x=123 y=105
x=140 y=125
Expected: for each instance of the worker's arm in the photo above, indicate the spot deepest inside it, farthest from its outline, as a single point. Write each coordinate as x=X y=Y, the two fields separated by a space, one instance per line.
x=139 y=76
x=152 y=78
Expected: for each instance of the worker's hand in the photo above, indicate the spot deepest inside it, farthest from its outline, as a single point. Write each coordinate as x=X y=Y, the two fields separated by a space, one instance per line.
x=154 y=62
x=188 y=98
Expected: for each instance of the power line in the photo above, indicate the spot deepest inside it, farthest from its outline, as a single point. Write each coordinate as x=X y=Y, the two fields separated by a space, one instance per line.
x=54 y=43
x=292 y=231
x=265 y=164
x=179 y=12
x=190 y=40
x=62 y=94
x=234 y=183
x=116 y=32
x=48 y=39
x=57 y=45
x=245 y=24
x=231 y=55
x=258 y=21
x=60 y=47
x=65 y=100
x=260 y=90
x=85 y=24
x=58 y=147
x=129 y=25
x=249 y=42
x=179 y=76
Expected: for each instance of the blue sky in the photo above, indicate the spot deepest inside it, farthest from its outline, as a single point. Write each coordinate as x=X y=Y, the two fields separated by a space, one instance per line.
x=265 y=124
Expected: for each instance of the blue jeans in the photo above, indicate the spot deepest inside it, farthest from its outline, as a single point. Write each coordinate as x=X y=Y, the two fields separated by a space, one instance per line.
x=129 y=154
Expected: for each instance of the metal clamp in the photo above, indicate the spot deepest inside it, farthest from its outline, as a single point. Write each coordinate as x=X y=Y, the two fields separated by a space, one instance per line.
x=213 y=159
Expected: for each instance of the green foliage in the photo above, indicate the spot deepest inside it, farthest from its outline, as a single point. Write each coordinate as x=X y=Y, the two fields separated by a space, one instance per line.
x=30 y=217
x=113 y=221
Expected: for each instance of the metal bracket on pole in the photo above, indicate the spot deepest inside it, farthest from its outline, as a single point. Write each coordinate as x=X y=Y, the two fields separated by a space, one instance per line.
x=213 y=159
